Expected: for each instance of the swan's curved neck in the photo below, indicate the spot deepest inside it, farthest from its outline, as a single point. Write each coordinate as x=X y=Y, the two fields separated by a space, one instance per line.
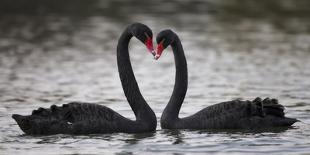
x=172 y=109
x=136 y=101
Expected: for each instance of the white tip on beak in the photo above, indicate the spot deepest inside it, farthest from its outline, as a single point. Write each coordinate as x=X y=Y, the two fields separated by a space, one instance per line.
x=156 y=56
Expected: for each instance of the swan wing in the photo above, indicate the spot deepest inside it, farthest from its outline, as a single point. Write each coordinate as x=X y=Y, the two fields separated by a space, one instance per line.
x=74 y=117
x=237 y=114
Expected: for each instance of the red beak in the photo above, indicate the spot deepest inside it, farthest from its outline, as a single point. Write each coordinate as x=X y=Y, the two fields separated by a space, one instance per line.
x=149 y=45
x=159 y=50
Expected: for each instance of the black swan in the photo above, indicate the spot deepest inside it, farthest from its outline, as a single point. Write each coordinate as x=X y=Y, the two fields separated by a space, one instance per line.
x=88 y=118
x=234 y=114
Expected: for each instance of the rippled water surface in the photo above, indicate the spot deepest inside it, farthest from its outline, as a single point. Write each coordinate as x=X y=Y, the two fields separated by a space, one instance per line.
x=53 y=59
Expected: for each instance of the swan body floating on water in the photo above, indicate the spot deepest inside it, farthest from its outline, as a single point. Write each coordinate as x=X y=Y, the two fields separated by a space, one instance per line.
x=234 y=114
x=88 y=118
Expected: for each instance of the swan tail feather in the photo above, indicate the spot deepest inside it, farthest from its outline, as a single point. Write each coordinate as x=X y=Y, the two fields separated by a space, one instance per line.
x=288 y=121
x=46 y=120
x=23 y=122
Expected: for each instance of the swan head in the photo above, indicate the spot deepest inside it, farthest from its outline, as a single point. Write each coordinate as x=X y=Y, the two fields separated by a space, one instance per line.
x=144 y=34
x=163 y=39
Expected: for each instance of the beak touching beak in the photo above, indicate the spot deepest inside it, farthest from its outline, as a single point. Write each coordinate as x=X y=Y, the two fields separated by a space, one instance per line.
x=159 y=50
x=149 y=45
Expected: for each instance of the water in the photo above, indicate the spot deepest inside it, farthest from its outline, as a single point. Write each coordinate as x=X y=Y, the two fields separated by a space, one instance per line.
x=59 y=58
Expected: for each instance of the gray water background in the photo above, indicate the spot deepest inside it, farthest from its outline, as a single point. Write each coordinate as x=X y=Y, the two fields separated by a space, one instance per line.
x=56 y=52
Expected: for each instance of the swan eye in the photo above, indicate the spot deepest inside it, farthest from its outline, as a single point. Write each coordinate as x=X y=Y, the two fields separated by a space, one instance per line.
x=162 y=41
x=147 y=36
